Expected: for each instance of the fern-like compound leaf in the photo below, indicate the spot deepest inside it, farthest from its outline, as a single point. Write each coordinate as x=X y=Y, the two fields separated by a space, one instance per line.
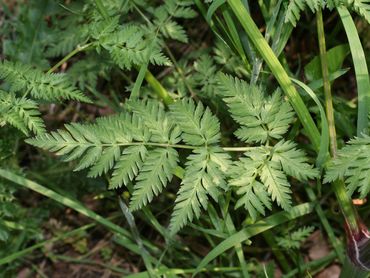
x=204 y=175
x=134 y=145
x=156 y=120
x=260 y=176
x=128 y=166
x=180 y=8
x=105 y=162
x=155 y=173
x=261 y=118
x=296 y=7
x=96 y=145
x=352 y=164
x=277 y=184
x=244 y=176
x=197 y=123
x=293 y=161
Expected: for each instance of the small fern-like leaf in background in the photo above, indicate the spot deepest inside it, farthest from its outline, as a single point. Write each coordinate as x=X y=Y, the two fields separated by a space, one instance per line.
x=204 y=175
x=128 y=47
x=295 y=7
x=155 y=173
x=67 y=40
x=205 y=76
x=352 y=164
x=294 y=239
x=180 y=8
x=362 y=7
x=103 y=28
x=260 y=117
x=173 y=30
x=22 y=113
x=40 y=85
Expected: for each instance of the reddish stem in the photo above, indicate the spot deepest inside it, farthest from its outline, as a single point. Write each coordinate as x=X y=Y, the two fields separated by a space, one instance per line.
x=358 y=246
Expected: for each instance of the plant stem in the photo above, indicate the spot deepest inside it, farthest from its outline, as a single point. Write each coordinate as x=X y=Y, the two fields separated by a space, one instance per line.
x=158 y=88
x=344 y=200
x=68 y=56
x=176 y=146
x=327 y=87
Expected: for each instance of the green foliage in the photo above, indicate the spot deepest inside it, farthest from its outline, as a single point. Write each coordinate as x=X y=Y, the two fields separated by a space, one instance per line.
x=29 y=33
x=139 y=146
x=261 y=118
x=184 y=122
x=353 y=165
x=127 y=45
x=38 y=84
x=165 y=14
x=204 y=175
x=261 y=176
x=136 y=145
x=22 y=112
x=198 y=125
x=154 y=175
x=205 y=75
x=294 y=239
x=295 y=7
x=362 y=7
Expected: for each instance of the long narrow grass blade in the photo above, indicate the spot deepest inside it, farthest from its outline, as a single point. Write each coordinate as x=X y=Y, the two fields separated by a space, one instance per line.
x=68 y=202
x=319 y=263
x=213 y=8
x=170 y=272
x=24 y=252
x=361 y=70
x=255 y=229
x=135 y=232
x=324 y=139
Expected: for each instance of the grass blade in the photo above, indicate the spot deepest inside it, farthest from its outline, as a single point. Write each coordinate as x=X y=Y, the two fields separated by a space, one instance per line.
x=68 y=202
x=324 y=139
x=255 y=229
x=36 y=246
x=361 y=70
